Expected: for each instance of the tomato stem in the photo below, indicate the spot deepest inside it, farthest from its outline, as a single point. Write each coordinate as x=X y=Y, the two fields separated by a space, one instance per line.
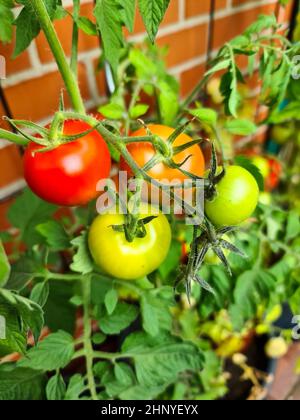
x=14 y=138
x=87 y=324
x=59 y=55
x=74 y=53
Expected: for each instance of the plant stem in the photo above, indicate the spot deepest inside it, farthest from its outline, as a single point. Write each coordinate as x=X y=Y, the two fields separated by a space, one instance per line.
x=15 y=138
x=74 y=53
x=59 y=55
x=88 y=348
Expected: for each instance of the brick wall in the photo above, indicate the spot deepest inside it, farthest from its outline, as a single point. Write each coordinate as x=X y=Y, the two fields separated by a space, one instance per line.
x=33 y=84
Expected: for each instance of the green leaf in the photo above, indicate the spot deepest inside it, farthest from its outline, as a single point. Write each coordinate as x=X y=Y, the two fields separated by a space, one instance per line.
x=124 y=374
x=18 y=384
x=222 y=65
x=6 y=19
x=252 y=289
x=27 y=23
x=87 y=26
x=98 y=338
x=253 y=169
x=128 y=13
x=293 y=226
x=263 y=22
x=138 y=111
x=82 y=260
x=55 y=235
x=241 y=127
x=56 y=388
x=5 y=268
x=111 y=300
x=156 y=313
x=27 y=212
x=13 y=335
x=29 y=312
x=54 y=352
x=172 y=261
x=40 y=293
x=168 y=102
x=159 y=360
x=75 y=388
x=109 y=23
x=112 y=111
x=205 y=115
x=145 y=68
x=23 y=271
x=122 y=317
x=153 y=12
x=289 y=113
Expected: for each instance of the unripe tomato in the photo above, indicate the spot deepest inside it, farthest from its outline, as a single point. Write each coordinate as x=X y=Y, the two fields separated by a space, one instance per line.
x=282 y=133
x=129 y=260
x=236 y=198
x=211 y=257
x=144 y=152
x=263 y=165
x=68 y=175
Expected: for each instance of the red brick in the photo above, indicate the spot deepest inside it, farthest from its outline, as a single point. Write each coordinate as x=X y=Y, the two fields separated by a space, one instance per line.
x=38 y=98
x=185 y=45
x=11 y=165
x=190 y=78
x=200 y=7
x=22 y=62
x=229 y=27
x=4 y=223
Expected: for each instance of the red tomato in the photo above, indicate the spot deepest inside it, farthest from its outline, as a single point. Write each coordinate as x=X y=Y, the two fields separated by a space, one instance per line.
x=143 y=152
x=275 y=174
x=68 y=175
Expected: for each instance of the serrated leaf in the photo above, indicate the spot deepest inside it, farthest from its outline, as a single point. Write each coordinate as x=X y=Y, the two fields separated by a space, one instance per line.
x=6 y=19
x=111 y=300
x=252 y=289
x=13 y=334
x=75 y=388
x=54 y=352
x=128 y=13
x=241 y=127
x=124 y=374
x=19 y=384
x=159 y=360
x=23 y=271
x=122 y=317
x=138 y=111
x=55 y=235
x=5 y=268
x=153 y=12
x=26 y=213
x=219 y=66
x=156 y=313
x=30 y=313
x=40 y=293
x=293 y=226
x=56 y=388
x=82 y=260
x=205 y=115
x=168 y=102
x=112 y=111
x=87 y=26
x=109 y=23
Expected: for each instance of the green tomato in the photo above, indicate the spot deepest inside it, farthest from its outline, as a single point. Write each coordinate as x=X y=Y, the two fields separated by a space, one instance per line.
x=282 y=133
x=265 y=198
x=263 y=165
x=211 y=257
x=236 y=198
x=125 y=260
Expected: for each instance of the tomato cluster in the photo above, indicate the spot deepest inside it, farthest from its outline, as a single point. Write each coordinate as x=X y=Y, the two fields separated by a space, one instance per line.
x=67 y=175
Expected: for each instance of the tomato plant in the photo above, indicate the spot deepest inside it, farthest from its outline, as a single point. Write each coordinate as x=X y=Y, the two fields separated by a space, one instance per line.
x=68 y=174
x=129 y=260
